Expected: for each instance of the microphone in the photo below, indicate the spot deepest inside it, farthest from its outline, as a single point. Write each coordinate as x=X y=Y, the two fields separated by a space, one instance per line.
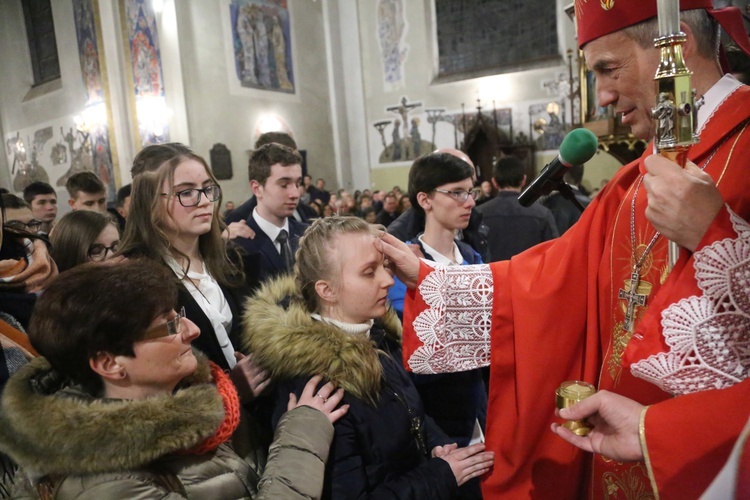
x=578 y=147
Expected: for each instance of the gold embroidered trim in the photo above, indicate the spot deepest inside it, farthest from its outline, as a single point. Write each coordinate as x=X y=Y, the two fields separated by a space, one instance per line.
x=644 y=449
x=731 y=152
x=612 y=303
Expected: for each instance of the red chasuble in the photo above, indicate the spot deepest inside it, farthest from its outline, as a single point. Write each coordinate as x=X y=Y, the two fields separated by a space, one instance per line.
x=555 y=313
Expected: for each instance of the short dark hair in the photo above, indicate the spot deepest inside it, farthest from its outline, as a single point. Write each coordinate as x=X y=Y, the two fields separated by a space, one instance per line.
x=14 y=202
x=96 y=308
x=87 y=182
x=73 y=234
x=432 y=170
x=263 y=158
x=278 y=137
x=123 y=193
x=509 y=171
x=367 y=211
x=35 y=189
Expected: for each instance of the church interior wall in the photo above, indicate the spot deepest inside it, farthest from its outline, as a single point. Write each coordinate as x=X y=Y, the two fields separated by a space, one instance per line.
x=342 y=88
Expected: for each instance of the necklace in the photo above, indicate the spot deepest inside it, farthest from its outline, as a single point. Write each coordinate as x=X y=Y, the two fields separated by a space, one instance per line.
x=631 y=295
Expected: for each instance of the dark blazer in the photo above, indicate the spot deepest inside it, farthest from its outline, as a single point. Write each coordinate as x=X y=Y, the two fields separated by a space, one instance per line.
x=566 y=214
x=306 y=212
x=514 y=228
x=235 y=296
x=271 y=264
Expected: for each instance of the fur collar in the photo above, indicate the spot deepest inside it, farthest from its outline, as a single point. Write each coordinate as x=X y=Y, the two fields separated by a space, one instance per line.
x=50 y=427
x=287 y=342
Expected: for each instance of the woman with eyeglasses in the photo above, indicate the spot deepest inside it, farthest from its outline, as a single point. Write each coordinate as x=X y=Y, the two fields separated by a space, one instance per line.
x=84 y=236
x=175 y=220
x=121 y=406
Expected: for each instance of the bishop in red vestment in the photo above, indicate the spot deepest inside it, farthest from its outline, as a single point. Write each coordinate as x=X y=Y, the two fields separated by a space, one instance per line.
x=601 y=305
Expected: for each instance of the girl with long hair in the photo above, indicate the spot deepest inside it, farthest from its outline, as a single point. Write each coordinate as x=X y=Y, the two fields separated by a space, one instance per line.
x=174 y=220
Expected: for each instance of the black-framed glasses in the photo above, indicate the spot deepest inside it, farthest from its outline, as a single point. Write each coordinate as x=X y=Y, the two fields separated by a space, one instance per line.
x=171 y=327
x=98 y=252
x=33 y=226
x=460 y=195
x=191 y=197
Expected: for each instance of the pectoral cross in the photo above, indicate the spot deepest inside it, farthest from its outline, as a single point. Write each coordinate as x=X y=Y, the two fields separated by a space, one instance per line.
x=634 y=299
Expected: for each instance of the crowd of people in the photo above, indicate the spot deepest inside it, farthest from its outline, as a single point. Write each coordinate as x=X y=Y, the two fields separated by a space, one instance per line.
x=175 y=346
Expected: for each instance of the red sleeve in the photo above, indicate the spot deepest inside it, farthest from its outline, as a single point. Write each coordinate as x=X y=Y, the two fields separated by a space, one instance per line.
x=413 y=304
x=689 y=438
x=721 y=228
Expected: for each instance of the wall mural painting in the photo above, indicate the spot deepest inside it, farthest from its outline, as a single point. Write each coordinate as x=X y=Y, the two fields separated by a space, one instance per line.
x=89 y=144
x=401 y=136
x=25 y=168
x=48 y=153
x=550 y=120
x=412 y=129
x=547 y=125
x=148 y=80
x=261 y=39
x=391 y=33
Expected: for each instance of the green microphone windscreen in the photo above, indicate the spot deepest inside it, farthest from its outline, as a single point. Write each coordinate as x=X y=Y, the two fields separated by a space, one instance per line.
x=578 y=147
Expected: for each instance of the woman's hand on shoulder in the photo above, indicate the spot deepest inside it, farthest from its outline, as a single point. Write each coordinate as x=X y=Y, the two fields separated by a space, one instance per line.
x=326 y=399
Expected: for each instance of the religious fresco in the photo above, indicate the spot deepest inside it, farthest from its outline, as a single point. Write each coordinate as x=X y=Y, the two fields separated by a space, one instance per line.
x=404 y=132
x=391 y=34
x=88 y=50
x=48 y=152
x=92 y=130
x=409 y=129
x=142 y=35
x=547 y=124
x=261 y=42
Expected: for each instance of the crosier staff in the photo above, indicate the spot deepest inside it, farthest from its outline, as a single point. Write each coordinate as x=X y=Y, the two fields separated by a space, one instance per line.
x=675 y=110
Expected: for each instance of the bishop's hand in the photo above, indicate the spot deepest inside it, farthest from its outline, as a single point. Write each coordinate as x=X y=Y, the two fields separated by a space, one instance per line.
x=614 y=422
x=401 y=260
x=682 y=203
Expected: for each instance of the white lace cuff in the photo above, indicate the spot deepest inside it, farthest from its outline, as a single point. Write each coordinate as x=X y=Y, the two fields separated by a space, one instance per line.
x=455 y=328
x=708 y=336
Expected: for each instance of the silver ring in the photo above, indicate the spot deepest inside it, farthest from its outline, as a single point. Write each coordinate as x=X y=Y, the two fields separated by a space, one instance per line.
x=325 y=400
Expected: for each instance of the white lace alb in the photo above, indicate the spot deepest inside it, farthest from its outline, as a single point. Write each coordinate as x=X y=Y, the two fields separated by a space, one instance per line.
x=708 y=336
x=455 y=328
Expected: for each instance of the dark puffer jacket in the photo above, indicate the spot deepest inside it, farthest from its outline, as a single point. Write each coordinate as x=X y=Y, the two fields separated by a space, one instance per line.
x=84 y=447
x=381 y=446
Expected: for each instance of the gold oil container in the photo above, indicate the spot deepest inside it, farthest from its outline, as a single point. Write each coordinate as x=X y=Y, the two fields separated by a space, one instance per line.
x=570 y=393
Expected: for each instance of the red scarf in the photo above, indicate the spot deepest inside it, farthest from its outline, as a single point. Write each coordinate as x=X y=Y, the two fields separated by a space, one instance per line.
x=231 y=413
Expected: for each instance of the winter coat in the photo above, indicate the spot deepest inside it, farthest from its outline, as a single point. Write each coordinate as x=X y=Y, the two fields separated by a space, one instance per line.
x=376 y=447
x=80 y=446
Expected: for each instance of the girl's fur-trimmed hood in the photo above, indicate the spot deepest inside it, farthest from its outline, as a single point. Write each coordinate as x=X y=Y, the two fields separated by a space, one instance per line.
x=289 y=343
x=50 y=427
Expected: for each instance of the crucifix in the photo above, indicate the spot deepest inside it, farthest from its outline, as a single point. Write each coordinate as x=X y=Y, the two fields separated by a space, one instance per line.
x=634 y=299
x=403 y=110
